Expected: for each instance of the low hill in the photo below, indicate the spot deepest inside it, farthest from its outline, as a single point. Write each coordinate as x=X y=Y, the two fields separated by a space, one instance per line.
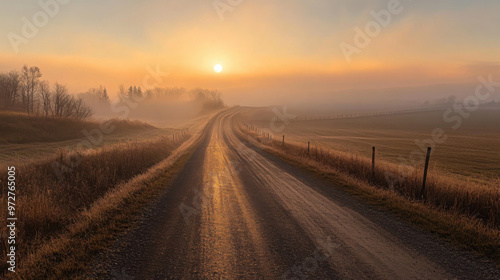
x=19 y=128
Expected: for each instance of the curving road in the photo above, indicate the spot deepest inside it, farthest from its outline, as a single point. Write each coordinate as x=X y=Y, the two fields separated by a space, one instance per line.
x=235 y=212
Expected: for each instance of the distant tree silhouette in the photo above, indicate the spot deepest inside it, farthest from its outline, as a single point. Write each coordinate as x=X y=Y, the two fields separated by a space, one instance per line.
x=105 y=95
x=10 y=84
x=30 y=79
x=45 y=98
x=27 y=92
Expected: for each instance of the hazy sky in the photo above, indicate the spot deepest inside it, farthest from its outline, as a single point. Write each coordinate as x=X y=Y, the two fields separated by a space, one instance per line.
x=270 y=50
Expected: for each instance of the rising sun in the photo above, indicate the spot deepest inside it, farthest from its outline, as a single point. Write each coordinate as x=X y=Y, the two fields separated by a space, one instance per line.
x=218 y=68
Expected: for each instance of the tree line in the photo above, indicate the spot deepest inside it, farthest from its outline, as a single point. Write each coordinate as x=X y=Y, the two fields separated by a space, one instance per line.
x=209 y=99
x=25 y=91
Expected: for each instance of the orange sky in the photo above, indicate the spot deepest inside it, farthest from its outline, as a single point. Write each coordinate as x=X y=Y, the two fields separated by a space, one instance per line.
x=282 y=47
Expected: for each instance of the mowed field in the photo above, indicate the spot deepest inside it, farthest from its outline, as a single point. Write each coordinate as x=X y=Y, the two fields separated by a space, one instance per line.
x=471 y=152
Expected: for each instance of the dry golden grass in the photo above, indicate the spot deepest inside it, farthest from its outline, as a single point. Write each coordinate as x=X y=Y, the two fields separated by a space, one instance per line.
x=114 y=185
x=474 y=200
x=469 y=153
x=25 y=139
x=47 y=203
x=19 y=128
x=463 y=212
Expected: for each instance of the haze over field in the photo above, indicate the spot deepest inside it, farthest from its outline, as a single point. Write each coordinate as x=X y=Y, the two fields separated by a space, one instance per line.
x=278 y=52
x=238 y=139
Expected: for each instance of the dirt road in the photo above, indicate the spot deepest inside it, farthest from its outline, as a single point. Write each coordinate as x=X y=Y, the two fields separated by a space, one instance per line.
x=235 y=212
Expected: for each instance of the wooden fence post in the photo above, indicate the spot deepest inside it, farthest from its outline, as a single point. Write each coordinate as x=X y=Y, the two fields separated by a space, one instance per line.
x=283 y=140
x=422 y=192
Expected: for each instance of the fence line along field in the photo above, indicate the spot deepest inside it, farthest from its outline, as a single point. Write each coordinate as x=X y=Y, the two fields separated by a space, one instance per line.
x=470 y=153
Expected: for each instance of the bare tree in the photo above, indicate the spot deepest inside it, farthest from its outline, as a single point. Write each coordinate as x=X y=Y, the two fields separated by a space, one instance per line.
x=45 y=98
x=30 y=80
x=81 y=110
x=35 y=96
x=60 y=100
x=14 y=80
x=10 y=84
x=67 y=106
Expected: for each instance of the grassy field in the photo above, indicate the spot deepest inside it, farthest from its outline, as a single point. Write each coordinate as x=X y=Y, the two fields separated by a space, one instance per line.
x=470 y=153
x=464 y=213
x=56 y=190
x=461 y=201
x=26 y=139
x=64 y=194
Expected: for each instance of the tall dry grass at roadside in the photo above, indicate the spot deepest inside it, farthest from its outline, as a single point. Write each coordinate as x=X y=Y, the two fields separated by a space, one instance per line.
x=47 y=203
x=481 y=202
